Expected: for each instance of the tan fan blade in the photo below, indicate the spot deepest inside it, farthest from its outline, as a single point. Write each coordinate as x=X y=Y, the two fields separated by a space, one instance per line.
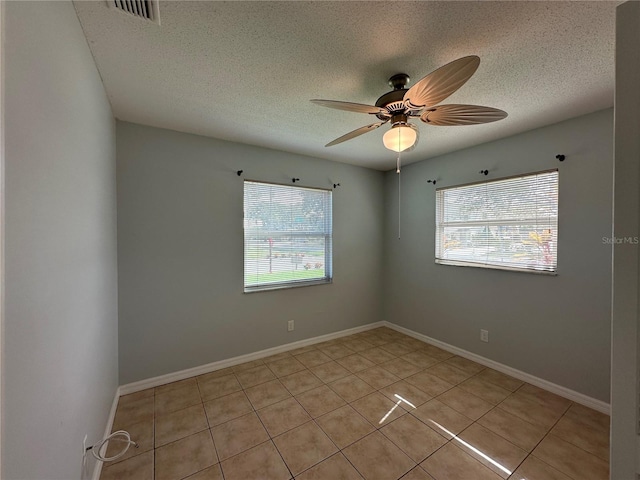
x=351 y=107
x=450 y=115
x=355 y=133
x=441 y=83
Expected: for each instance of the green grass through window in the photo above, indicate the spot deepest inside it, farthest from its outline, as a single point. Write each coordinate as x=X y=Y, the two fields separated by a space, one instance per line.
x=300 y=274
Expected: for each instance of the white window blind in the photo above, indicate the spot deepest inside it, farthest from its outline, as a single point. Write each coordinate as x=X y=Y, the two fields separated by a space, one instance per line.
x=287 y=236
x=510 y=223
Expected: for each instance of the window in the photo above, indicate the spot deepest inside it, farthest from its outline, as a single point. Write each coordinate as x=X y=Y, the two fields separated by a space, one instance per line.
x=287 y=236
x=508 y=224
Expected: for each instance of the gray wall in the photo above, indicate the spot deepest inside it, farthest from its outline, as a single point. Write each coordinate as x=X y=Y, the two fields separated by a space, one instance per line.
x=180 y=252
x=625 y=444
x=557 y=328
x=60 y=344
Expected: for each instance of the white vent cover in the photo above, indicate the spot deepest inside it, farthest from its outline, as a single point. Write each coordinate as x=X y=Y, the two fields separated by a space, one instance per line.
x=146 y=9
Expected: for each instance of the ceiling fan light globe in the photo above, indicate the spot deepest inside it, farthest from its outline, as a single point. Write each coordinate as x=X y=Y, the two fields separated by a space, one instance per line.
x=399 y=138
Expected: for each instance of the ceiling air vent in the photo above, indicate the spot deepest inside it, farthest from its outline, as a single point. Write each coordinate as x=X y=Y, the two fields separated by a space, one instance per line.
x=146 y=9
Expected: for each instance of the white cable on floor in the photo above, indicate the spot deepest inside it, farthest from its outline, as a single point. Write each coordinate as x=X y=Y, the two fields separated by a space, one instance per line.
x=120 y=436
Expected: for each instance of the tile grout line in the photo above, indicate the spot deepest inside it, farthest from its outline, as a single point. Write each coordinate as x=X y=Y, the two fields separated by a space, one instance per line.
x=569 y=441
x=576 y=446
x=314 y=420
x=507 y=440
x=274 y=444
x=542 y=439
x=529 y=454
x=254 y=411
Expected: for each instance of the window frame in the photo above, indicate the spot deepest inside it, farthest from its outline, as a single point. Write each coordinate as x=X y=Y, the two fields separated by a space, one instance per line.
x=491 y=266
x=328 y=243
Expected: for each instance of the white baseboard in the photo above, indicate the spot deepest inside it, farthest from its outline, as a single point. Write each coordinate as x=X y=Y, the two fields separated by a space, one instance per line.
x=567 y=393
x=212 y=367
x=97 y=469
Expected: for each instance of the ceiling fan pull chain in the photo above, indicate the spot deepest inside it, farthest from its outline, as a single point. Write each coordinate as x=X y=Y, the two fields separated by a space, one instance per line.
x=398 y=172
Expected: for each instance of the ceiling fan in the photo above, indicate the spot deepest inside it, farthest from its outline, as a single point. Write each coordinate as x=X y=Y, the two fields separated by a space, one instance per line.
x=400 y=104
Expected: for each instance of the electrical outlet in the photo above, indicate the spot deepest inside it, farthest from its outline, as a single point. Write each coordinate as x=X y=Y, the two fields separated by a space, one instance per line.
x=484 y=335
x=290 y=326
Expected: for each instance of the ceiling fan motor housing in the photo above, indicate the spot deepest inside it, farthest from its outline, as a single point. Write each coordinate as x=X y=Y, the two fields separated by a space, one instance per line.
x=393 y=100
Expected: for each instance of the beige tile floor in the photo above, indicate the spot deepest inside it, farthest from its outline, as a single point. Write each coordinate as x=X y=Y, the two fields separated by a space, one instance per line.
x=376 y=405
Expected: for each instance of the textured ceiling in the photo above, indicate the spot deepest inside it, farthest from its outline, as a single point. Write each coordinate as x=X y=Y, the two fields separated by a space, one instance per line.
x=245 y=71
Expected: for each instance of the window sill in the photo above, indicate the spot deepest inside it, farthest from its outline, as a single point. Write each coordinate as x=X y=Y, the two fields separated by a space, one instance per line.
x=457 y=263
x=282 y=286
